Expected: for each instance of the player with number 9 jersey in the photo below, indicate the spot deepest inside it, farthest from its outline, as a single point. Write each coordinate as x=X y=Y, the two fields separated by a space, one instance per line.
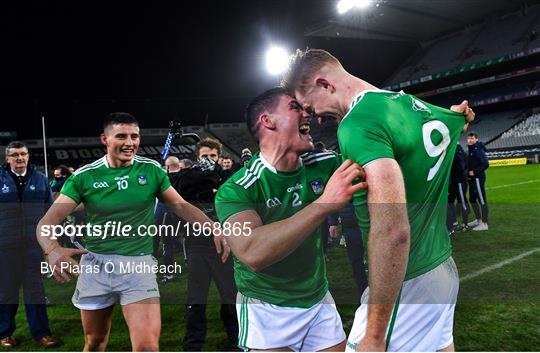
x=422 y=139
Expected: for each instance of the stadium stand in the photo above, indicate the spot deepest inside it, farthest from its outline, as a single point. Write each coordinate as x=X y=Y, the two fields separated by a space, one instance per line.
x=234 y=136
x=525 y=133
x=489 y=126
x=490 y=39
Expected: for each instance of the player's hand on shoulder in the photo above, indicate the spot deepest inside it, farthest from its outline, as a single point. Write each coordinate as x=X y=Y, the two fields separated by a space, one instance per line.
x=62 y=263
x=340 y=188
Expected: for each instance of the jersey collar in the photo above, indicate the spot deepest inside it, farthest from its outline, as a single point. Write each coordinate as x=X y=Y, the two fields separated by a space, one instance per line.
x=270 y=167
x=106 y=162
x=361 y=95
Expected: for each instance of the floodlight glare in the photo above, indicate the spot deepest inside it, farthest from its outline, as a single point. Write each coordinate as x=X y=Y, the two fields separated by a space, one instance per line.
x=277 y=60
x=344 y=6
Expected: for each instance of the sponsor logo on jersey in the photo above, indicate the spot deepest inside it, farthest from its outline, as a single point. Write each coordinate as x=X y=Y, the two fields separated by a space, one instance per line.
x=100 y=185
x=141 y=179
x=273 y=202
x=5 y=189
x=317 y=186
x=122 y=178
x=419 y=106
x=294 y=188
x=32 y=187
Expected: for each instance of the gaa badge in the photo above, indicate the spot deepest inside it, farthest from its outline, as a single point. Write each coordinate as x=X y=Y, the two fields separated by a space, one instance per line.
x=142 y=180
x=317 y=186
x=32 y=187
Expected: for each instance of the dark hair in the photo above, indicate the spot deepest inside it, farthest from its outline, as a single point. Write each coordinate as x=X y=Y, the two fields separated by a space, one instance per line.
x=119 y=118
x=187 y=162
x=15 y=144
x=265 y=102
x=474 y=134
x=210 y=143
x=64 y=170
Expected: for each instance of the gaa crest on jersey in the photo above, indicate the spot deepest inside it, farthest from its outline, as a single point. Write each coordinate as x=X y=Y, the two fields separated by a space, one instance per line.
x=5 y=189
x=141 y=179
x=419 y=106
x=32 y=187
x=317 y=186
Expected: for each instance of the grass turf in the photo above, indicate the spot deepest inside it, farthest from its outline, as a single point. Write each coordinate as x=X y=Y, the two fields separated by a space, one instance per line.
x=497 y=311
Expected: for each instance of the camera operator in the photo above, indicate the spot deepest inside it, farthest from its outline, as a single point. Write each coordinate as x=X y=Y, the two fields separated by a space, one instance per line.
x=198 y=185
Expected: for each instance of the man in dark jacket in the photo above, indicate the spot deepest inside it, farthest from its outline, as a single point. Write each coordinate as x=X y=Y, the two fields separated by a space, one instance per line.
x=457 y=191
x=477 y=164
x=199 y=185
x=24 y=197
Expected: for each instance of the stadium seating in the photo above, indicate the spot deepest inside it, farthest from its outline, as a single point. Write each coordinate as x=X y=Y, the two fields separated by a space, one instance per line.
x=493 y=38
x=526 y=133
x=489 y=126
x=234 y=136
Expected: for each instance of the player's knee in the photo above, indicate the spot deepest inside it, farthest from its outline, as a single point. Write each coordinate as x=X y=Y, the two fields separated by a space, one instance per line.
x=146 y=346
x=96 y=343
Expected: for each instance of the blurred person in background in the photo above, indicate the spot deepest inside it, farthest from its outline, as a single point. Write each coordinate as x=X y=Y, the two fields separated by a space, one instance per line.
x=24 y=199
x=457 y=191
x=477 y=165
x=61 y=174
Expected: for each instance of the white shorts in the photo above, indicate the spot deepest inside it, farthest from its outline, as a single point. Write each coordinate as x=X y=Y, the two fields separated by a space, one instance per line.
x=106 y=279
x=267 y=326
x=424 y=317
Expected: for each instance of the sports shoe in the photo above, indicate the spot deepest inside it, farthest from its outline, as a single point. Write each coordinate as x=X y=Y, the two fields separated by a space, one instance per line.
x=481 y=226
x=474 y=223
x=8 y=342
x=48 y=342
x=463 y=227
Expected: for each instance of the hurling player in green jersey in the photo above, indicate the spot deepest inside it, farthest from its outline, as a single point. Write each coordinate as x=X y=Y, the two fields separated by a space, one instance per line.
x=406 y=147
x=121 y=187
x=281 y=197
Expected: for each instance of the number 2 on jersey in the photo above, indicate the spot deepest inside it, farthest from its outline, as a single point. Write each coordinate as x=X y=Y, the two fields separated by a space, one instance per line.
x=432 y=149
x=296 y=200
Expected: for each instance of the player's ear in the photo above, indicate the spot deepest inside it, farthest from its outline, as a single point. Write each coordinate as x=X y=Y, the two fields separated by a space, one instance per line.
x=103 y=138
x=267 y=121
x=322 y=82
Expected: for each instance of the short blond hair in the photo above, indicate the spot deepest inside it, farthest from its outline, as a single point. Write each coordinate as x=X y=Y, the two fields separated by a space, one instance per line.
x=303 y=65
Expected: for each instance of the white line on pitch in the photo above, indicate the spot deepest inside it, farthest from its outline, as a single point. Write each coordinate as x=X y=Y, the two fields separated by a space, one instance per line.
x=498 y=265
x=508 y=185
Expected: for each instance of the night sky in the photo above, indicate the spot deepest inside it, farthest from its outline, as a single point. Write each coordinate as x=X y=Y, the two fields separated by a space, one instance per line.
x=159 y=60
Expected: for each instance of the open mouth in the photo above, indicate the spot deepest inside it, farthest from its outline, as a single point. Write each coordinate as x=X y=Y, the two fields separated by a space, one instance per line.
x=128 y=151
x=304 y=129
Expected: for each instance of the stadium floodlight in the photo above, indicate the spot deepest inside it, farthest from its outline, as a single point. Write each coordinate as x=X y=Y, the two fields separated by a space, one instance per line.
x=277 y=60
x=344 y=6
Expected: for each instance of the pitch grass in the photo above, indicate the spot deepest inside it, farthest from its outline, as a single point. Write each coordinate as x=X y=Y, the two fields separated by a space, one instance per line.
x=497 y=311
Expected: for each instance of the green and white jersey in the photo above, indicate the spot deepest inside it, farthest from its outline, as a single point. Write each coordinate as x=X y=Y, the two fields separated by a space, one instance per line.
x=299 y=280
x=124 y=197
x=422 y=138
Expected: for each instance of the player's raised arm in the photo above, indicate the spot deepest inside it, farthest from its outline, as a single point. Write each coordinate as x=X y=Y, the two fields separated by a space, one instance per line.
x=62 y=207
x=264 y=245
x=388 y=247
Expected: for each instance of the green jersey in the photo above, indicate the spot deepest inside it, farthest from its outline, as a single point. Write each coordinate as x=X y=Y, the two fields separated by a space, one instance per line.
x=121 y=197
x=299 y=280
x=422 y=139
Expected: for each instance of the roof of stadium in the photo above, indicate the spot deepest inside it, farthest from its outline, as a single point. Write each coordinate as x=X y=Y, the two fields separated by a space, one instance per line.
x=198 y=62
